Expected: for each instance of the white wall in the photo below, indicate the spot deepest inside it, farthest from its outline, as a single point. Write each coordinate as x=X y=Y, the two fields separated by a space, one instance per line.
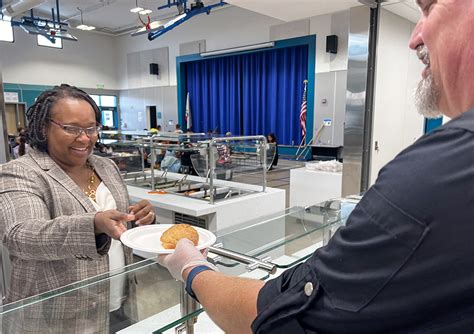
x=221 y=29
x=234 y=26
x=134 y=103
x=225 y=28
x=89 y=61
x=397 y=124
x=330 y=24
x=331 y=78
x=101 y=59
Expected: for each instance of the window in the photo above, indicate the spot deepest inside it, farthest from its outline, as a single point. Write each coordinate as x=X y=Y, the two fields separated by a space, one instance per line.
x=108 y=106
x=43 y=41
x=108 y=118
x=108 y=101
x=96 y=99
x=6 y=31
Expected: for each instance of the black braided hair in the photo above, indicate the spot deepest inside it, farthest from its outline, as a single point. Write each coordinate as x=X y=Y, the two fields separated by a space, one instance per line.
x=22 y=147
x=39 y=114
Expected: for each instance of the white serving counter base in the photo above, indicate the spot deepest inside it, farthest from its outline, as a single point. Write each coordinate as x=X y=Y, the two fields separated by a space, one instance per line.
x=308 y=187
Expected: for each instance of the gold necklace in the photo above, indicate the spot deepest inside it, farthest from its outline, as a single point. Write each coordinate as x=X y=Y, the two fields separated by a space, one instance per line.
x=90 y=192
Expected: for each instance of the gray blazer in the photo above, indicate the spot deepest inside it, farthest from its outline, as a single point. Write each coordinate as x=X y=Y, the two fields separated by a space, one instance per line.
x=46 y=223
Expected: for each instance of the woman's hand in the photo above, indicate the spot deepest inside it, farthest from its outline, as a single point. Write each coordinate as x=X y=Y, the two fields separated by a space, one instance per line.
x=143 y=211
x=112 y=222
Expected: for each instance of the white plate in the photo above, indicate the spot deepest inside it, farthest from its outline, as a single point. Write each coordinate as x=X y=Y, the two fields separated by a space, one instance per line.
x=147 y=238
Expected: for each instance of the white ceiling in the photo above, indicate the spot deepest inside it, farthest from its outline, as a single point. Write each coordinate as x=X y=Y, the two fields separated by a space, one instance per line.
x=404 y=8
x=291 y=10
x=109 y=16
x=114 y=16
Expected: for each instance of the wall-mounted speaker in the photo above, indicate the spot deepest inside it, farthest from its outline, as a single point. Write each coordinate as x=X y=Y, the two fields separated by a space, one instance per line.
x=331 y=44
x=154 y=70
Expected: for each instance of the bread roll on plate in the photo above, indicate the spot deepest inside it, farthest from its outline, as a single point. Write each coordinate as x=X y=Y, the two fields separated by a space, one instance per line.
x=171 y=236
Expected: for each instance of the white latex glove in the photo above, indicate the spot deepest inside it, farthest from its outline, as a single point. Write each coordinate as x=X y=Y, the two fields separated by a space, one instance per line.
x=185 y=256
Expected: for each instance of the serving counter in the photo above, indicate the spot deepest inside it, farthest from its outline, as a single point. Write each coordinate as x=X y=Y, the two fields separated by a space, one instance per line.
x=172 y=208
x=190 y=178
x=308 y=187
x=155 y=302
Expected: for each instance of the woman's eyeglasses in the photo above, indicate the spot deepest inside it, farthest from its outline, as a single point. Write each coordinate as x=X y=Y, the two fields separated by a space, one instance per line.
x=77 y=130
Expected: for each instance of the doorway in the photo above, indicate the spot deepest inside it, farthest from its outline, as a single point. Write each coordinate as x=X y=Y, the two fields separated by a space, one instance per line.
x=152 y=116
x=15 y=116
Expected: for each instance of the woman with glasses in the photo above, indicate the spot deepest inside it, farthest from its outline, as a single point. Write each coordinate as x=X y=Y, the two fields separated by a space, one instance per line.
x=63 y=211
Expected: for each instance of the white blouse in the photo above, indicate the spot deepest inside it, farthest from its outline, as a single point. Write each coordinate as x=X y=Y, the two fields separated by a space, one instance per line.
x=105 y=201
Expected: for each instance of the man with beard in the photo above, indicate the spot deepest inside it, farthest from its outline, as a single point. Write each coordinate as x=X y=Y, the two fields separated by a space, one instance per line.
x=403 y=263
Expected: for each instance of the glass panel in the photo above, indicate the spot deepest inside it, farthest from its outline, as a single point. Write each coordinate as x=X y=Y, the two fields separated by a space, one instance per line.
x=151 y=302
x=205 y=161
x=43 y=41
x=78 y=285
x=179 y=321
x=152 y=299
x=127 y=155
x=108 y=101
x=287 y=238
x=6 y=31
x=85 y=307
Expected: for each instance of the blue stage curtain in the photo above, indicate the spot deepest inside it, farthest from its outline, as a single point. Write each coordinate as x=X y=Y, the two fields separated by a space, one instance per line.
x=249 y=94
x=214 y=89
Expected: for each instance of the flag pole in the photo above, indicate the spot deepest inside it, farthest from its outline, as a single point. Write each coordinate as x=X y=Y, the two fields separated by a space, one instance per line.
x=316 y=136
x=303 y=112
x=187 y=115
x=299 y=148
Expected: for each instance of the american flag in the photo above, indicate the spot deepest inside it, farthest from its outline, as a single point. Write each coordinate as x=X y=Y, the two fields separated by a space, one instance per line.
x=187 y=116
x=303 y=111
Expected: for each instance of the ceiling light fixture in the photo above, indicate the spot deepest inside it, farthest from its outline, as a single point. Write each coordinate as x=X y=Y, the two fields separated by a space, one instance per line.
x=6 y=18
x=145 y=12
x=83 y=26
x=139 y=10
x=52 y=29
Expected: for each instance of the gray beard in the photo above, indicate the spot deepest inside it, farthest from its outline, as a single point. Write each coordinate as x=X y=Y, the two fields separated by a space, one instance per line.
x=427 y=98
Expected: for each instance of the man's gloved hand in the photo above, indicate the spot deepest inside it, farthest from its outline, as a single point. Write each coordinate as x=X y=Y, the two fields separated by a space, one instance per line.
x=185 y=256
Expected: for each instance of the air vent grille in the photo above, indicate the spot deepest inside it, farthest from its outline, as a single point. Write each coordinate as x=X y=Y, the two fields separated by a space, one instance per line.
x=180 y=218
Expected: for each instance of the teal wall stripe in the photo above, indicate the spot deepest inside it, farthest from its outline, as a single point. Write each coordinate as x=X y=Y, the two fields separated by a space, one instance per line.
x=26 y=93
x=290 y=151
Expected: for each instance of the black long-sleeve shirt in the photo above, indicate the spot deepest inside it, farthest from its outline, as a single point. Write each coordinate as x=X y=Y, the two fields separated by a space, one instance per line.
x=405 y=260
